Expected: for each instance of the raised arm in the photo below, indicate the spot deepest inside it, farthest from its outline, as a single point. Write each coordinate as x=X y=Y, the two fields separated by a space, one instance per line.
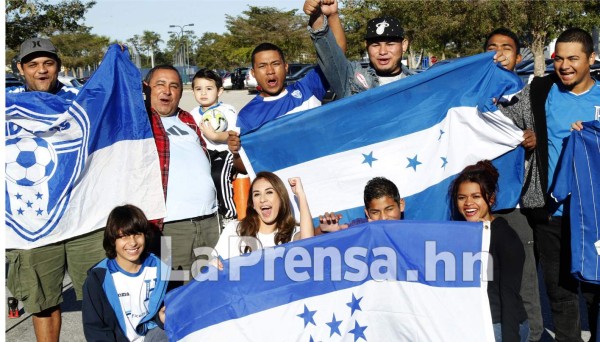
x=317 y=9
x=329 y=40
x=306 y=226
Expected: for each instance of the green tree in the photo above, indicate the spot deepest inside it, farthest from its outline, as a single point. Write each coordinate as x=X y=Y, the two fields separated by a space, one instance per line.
x=81 y=49
x=31 y=18
x=457 y=28
x=213 y=51
x=135 y=42
x=545 y=20
x=149 y=41
x=286 y=29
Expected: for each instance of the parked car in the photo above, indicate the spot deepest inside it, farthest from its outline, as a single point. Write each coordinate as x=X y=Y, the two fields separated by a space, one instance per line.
x=227 y=85
x=70 y=81
x=12 y=81
x=300 y=71
x=238 y=77
x=251 y=84
x=82 y=80
x=295 y=67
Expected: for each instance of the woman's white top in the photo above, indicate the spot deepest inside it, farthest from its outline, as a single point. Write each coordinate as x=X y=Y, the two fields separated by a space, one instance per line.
x=229 y=242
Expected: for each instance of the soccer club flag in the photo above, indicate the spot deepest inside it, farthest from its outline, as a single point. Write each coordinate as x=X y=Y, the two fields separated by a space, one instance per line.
x=380 y=281
x=418 y=132
x=68 y=164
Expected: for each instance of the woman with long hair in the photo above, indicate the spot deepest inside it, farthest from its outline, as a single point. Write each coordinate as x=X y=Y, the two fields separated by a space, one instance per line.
x=269 y=218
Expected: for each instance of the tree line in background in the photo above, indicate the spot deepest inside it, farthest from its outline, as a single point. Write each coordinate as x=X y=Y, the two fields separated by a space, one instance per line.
x=445 y=28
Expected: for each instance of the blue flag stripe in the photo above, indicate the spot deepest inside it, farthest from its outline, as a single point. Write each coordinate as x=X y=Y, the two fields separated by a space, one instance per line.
x=384 y=120
x=188 y=312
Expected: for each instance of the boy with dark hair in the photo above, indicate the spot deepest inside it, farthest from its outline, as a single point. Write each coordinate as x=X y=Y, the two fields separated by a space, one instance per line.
x=123 y=294
x=382 y=202
x=212 y=116
x=215 y=118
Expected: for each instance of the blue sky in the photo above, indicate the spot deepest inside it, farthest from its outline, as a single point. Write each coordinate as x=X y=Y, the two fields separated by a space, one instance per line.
x=120 y=19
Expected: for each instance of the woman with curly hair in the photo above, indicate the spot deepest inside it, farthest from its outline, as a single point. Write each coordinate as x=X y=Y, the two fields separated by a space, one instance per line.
x=473 y=194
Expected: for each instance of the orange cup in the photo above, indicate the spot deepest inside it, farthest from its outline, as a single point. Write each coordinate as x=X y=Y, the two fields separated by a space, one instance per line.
x=241 y=188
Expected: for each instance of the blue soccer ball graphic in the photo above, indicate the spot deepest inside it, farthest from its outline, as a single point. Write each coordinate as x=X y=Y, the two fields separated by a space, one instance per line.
x=29 y=160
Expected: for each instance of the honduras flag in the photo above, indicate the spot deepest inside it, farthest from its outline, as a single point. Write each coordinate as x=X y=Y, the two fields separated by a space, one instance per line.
x=380 y=281
x=68 y=164
x=418 y=132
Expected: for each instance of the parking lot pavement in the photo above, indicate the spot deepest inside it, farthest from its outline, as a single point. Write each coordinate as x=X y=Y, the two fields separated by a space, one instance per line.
x=236 y=98
x=21 y=329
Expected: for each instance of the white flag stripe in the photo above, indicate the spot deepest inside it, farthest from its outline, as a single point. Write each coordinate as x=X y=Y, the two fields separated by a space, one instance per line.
x=87 y=209
x=387 y=308
x=465 y=129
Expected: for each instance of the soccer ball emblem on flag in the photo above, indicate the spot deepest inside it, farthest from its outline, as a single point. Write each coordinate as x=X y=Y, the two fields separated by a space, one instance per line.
x=29 y=160
x=216 y=119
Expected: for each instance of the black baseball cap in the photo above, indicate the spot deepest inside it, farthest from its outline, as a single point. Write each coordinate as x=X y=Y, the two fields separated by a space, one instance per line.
x=384 y=27
x=37 y=45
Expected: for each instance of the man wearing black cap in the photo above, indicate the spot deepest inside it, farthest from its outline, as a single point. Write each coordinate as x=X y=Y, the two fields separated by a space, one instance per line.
x=384 y=42
x=39 y=64
x=35 y=276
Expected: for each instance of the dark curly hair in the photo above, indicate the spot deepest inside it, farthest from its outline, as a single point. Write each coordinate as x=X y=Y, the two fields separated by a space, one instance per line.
x=482 y=173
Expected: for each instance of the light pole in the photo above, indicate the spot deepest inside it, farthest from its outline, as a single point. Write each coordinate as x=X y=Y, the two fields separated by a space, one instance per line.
x=184 y=58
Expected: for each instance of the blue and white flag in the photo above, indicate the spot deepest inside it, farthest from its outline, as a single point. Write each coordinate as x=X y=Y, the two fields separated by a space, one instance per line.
x=68 y=164
x=380 y=281
x=418 y=132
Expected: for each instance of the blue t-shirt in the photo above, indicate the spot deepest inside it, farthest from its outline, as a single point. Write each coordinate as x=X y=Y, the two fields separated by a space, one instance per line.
x=305 y=94
x=579 y=175
x=562 y=109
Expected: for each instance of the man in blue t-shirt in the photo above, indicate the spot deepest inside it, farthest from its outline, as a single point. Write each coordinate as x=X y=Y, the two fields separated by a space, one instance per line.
x=275 y=98
x=556 y=101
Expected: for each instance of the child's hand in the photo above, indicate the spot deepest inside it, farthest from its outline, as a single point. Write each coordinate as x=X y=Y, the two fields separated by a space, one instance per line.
x=207 y=129
x=296 y=185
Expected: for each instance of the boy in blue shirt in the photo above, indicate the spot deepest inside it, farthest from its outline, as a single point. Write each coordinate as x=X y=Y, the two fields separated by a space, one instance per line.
x=123 y=294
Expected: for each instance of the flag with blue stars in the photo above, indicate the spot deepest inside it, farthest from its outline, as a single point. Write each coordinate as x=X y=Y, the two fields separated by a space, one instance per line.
x=70 y=161
x=419 y=132
x=375 y=285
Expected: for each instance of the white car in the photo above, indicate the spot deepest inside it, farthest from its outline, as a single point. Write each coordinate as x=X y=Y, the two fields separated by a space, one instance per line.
x=250 y=83
x=227 y=82
x=70 y=81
